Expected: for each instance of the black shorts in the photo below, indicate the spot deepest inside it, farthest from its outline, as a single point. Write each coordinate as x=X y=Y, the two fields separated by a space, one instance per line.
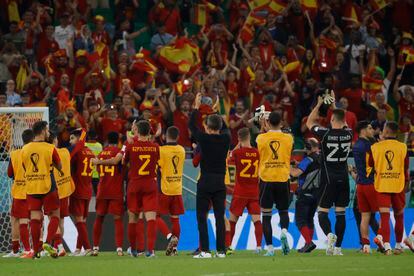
x=277 y=193
x=305 y=209
x=335 y=191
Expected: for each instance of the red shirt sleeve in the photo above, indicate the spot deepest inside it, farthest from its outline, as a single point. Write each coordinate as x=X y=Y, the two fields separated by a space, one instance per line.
x=10 y=171
x=55 y=157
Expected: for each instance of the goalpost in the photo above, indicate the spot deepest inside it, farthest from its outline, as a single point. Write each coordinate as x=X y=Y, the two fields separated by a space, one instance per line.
x=13 y=121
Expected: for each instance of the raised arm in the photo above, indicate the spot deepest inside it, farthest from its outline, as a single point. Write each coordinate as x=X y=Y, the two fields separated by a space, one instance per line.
x=395 y=92
x=313 y=116
x=193 y=118
x=108 y=162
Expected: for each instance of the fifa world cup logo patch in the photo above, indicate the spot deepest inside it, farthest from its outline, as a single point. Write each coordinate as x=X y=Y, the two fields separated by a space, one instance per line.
x=274 y=147
x=389 y=156
x=34 y=158
x=175 y=160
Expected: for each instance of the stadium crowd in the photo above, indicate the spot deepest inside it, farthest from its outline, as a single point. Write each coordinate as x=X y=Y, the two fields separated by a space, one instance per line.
x=101 y=64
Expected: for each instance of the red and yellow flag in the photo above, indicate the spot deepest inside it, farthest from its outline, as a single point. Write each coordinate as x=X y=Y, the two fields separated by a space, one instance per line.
x=309 y=5
x=351 y=13
x=201 y=12
x=102 y=51
x=410 y=56
x=378 y=4
x=21 y=77
x=258 y=4
x=276 y=6
x=181 y=57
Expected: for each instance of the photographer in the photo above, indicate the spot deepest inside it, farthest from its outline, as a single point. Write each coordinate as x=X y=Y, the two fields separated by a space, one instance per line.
x=307 y=172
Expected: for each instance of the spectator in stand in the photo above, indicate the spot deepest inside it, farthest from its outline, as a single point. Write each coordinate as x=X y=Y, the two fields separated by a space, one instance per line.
x=3 y=100
x=381 y=103
x=15 y=36
x=124 y=38
x=161 y=38
x=404 y=96
x=63 y=93
x=166 y=13
x=379 y=122
x=47 y=45
x=110 y=123
x=128 y=109
x=180 y=119
x=354 y=95
x=238 y=120
x=64 y=32
x=13 y=98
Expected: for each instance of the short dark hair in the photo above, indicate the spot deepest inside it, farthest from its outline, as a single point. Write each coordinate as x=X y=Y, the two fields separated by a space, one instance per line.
x=113 y=138
x=38 y=127
x=92 y=135
x=243 y=133
x=275 y=118
x=52 y=136
x=339 y=114
x=173 y=133
x=361 y=126
x=27 y=136
x=214 y=122
x=392 y=126
x=144 y=127
x=77 y=133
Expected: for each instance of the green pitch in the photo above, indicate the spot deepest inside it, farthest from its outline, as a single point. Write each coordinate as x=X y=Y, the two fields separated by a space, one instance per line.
x=241 y=263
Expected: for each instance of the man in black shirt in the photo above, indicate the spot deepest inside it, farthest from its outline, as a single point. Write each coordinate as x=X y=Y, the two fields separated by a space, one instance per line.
x=214 y=147
x=335 y=148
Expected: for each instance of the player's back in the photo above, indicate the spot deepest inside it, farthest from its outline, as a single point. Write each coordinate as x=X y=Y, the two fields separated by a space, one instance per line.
x=143 y=157
x=18 y=189
x=111 y=177
x=82 y=170
x=37 y=159
x=360 y=151
x=246 y=161
x=335 y=149
x=171 y=163
x=275 y=148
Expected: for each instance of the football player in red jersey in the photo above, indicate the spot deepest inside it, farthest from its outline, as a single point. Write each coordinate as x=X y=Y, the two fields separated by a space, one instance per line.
x=142 y=156
x=110 y=196
x=246 y=189
x=79 y=201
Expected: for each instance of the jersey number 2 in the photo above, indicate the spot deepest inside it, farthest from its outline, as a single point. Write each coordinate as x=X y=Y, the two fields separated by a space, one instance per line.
x=146 y=159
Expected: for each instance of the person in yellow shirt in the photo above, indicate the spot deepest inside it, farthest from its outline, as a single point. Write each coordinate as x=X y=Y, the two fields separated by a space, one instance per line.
x=171 y=166
x=19 y=212
x=389 y=158
x=275 y=148
x=38 y=157
x=65 y=187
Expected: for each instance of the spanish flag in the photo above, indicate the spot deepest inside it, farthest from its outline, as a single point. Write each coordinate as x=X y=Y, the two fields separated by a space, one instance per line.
x=181 y=57
x=309 y=5
x=201 y=12
x=21 y=77
x=255 y=20
x=276 y=6
x=327 y=42
x=293 y=69
x=103 y=57
x=371 y=86
x=378 y=4
x=410 y=56
x=351 y=13
x=402 y=56
x=258 y=4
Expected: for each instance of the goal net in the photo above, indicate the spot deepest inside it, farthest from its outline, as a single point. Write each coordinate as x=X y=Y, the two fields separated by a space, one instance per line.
x=13 y=121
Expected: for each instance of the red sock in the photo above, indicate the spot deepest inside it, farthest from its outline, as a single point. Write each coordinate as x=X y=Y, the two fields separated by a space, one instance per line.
x=132 y=235
x=140 y=235
x=365 y=241
x=162 y=226
x=97 y=230
x=399 y=227
x=35 y=226
x=258 y=232
x=385 y=226
x=311 y=230
x=83 y=234
x=304 y=230
x=57 y=241
x=15 y=246
x=175 y=227
x=119 y=232
x=52 y=229
x=151 y=234
x=78 y=243
x=228 y=239
x=232 y=229
x=24 y=236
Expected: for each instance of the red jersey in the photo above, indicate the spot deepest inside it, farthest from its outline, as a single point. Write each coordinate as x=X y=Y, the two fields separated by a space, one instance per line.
x=181 y=122
x=82 y=173
x=111 y=177
x=247 y=176
x=142 y=158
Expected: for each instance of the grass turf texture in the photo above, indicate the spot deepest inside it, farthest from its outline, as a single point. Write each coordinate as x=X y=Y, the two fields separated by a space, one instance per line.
x=241 y=263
